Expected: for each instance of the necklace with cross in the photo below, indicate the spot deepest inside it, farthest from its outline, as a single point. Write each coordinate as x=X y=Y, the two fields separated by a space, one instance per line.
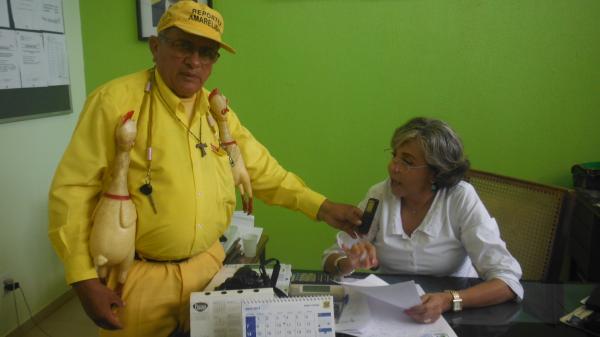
x=199 y=144
x=202 y=147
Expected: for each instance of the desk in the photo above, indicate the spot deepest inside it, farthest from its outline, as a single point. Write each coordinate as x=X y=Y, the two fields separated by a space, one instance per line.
x=537 y=315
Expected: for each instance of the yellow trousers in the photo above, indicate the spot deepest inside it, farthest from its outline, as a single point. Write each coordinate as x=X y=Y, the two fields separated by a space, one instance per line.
x=157 y=295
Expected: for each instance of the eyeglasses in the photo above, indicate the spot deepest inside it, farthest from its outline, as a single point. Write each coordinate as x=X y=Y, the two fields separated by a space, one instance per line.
x=404 y=165
x=184 y=48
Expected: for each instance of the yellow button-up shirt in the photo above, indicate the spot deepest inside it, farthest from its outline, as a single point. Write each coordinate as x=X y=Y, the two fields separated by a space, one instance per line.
x=194 y=195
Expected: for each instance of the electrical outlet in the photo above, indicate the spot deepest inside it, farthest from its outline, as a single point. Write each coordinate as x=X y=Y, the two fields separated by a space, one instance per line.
x=4 y=276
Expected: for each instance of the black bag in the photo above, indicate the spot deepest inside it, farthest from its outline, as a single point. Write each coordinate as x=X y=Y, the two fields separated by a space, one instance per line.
x=586 y=175
x=246 y=278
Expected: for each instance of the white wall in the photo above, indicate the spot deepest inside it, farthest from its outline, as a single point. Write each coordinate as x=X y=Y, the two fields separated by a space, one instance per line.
x=29 y=153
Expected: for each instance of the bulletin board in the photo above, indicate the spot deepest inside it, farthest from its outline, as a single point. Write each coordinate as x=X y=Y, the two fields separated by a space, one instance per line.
x=34 y=72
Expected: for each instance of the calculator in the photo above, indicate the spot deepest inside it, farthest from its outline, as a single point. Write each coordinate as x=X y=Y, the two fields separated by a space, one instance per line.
x=311 y=277
x=316 y=283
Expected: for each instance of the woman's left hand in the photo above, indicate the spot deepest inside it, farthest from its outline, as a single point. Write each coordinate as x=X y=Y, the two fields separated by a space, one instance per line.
x=362 y=255
x=431 y=308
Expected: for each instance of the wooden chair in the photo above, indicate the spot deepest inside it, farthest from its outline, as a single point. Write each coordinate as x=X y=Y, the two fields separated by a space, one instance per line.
x=533 y=220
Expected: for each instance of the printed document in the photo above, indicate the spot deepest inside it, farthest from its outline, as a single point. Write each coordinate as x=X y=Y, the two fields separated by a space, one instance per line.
x=4 y=22
x=9 y=60
x=367 y=315
x=34 y=63
x=56 y=52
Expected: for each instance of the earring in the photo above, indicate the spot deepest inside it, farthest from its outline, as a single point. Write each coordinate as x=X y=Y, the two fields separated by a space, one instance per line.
x=434 y=187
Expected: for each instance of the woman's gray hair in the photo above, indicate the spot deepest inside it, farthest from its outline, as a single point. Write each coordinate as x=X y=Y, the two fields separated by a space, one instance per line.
x=443 y=149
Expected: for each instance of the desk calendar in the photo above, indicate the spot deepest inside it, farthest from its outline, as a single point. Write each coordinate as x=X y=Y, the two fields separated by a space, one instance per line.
x=310 y=316
x=219 y=313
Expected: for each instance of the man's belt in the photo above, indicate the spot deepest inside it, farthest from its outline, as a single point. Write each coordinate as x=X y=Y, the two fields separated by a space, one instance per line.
x=140 y=257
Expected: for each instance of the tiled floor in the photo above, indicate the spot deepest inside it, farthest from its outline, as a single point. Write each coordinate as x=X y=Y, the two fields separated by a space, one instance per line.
x=69 y=320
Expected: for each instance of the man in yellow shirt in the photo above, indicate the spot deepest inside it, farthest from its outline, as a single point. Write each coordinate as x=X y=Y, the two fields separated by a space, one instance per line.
x=177 y=152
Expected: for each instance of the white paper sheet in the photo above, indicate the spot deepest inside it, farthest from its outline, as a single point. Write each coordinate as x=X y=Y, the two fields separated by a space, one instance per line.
x=51 y=16
x=26 y=14
x=242 y=219
x=4 y=22
x=56 y=53
x=33 y=63
x=369 y=317
x=402 y=295
x=356 y=315
x=369 y=281
x=241 y=224
x=9 y=60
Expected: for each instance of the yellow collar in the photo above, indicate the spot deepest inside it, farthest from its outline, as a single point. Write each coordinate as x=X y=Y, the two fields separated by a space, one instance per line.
x=173 y=101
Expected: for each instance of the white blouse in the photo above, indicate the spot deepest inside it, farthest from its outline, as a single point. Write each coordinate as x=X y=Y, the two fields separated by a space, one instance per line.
x=457 y=237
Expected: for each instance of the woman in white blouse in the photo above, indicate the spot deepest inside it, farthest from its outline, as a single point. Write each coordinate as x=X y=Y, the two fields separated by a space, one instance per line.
x=431 y=222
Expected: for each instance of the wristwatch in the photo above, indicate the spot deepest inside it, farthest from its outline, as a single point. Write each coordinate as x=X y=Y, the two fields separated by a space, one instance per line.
x=456 y=300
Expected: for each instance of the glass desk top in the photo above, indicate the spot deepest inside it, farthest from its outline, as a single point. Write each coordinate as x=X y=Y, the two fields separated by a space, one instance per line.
x=537 y=315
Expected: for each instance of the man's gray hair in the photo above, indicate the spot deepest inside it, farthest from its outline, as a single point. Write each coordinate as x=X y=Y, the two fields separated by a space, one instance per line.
x=442 y=147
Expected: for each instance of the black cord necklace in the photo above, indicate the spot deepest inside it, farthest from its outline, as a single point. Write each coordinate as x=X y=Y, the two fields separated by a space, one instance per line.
x=199 y=144
x=146 y=188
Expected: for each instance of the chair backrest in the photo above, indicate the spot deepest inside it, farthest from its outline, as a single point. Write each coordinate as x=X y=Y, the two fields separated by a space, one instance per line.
x=533 y=220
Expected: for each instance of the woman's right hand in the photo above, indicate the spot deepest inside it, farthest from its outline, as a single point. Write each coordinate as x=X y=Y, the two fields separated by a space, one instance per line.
x=362 y=255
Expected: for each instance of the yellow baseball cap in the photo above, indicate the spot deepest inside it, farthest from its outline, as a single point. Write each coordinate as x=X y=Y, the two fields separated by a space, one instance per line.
x=195 y=18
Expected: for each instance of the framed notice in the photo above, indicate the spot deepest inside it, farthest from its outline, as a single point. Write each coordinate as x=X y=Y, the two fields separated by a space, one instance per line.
x=149 y=13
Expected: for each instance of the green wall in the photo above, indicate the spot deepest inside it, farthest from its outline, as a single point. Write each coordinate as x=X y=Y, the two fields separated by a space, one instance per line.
x=323 y=84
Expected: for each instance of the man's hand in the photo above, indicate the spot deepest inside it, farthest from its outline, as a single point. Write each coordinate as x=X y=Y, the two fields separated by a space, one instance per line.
x=340 y=216
x=98 y=301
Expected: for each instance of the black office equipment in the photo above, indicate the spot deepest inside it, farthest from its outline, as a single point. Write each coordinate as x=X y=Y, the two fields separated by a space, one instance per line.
x=368 y=216
x=592 y=322
x=311 y=277
x=587 y=316
x=584 y=236
x=246 y=278
x=593 y=302
x=586 y=175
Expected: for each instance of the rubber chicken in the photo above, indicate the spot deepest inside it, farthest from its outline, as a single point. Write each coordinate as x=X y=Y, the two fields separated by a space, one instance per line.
x=219 y=110
x=112 y=240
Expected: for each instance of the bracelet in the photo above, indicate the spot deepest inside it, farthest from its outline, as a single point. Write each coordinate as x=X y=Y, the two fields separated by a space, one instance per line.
x=336 y=264
x=228 y=143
